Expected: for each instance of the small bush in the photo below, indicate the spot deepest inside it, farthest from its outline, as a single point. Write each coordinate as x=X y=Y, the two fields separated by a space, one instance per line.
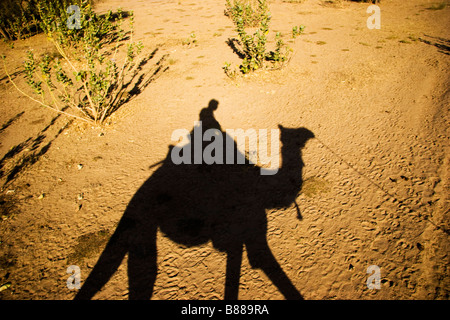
x=251 y=47
x=19 y=19
x=247 y=10
x=89 y=77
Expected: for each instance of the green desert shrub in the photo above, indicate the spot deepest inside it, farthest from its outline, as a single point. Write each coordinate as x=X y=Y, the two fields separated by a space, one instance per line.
x=21 y=18
x=249 y=11
x=89 y=76
x=251 y=44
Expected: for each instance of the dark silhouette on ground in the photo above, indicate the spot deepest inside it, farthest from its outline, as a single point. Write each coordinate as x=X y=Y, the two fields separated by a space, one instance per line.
x=11 y=121
x=442 y=44
x=15 y=160
x=196 y=203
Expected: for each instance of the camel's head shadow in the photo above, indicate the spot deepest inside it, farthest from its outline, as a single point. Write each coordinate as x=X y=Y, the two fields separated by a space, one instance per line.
x=295 y=137
x=286 y=184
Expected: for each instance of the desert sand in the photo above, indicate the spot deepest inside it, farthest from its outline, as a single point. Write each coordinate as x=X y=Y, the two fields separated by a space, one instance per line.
x=375 y=177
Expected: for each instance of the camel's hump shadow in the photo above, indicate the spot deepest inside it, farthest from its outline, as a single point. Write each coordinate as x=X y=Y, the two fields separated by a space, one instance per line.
x=196 y=203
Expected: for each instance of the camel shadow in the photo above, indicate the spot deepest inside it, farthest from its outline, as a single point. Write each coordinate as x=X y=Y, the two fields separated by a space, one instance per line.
x=196 y=203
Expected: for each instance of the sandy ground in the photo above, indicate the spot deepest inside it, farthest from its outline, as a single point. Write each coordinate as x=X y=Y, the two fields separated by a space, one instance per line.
x=375 y=181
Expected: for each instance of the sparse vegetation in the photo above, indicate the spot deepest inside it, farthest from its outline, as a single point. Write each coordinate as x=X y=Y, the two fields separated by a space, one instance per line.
x=89 y=76
x=249 y=11
x=229 y=71
x=252 y=47
x=190 y=41
x=297 y=30
x=438 y=6
x=19 y=19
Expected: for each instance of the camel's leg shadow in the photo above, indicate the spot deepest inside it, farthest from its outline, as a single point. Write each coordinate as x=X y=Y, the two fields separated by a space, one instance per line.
x=142 y=261
x=261 y=257
x=234 y=260
x=105 y=267
x=142 y=270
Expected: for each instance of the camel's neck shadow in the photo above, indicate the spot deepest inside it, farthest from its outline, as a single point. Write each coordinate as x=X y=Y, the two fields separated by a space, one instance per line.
x=200 y=202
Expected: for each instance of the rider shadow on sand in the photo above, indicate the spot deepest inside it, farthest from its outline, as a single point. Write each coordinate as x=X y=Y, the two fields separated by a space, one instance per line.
x=196 y=203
